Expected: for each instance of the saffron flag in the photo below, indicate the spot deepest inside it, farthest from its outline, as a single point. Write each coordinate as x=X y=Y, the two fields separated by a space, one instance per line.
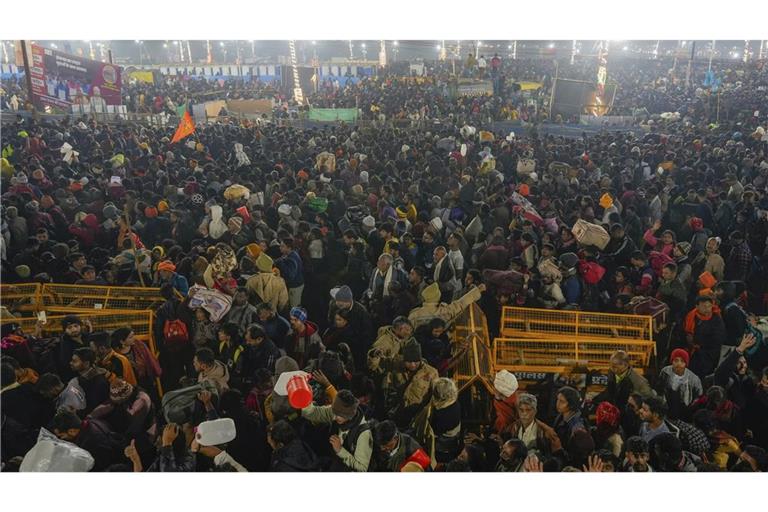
x=186 y=127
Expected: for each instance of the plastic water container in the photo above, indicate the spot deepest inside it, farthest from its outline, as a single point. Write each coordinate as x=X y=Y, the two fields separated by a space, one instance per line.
x=299 y=392
x=216 y=432
x=52 y=455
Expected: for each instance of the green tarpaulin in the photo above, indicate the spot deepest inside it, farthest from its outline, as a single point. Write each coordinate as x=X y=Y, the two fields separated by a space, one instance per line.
x=333 y=114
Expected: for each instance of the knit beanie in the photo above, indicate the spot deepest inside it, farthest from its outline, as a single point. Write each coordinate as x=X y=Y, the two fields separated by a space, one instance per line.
x=505 y=383
x=344 y=294
x=299 y=314
x=345 y=404
x=285 y=364
x=681 y=353
x=369 y=222
x=411 y=351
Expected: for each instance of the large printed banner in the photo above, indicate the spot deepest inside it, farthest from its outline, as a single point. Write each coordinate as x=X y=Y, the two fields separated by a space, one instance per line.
x=333 y=114
x=61 y=80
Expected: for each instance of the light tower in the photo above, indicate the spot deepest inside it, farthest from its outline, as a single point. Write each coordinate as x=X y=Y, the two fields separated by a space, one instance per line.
x=297 y=94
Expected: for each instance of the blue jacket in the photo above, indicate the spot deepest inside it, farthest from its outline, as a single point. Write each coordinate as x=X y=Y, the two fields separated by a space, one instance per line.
x=291 y=269
x=179 y=282
x=572 y=290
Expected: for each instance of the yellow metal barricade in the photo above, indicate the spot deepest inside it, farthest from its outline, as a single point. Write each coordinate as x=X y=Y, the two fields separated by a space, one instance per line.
x=78 y=298
x=474 y=370
x=141 y=322
x=562 y=355
x=476 y=362
x=21 y=297
x=564 y=324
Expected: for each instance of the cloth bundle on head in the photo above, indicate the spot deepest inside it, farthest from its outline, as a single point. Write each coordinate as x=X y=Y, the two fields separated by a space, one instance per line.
x=236 y=192
x=505 y=383
x=264 y=263
x=23 y=271
x=284 y=209
x=299 y=314
x=345 y=404
x=431 y=294
x=606 y=201
x=120 y=391
x=318 y=204
x=411 y=351
x=68 y=152
x=682 y=354
x=608 y=414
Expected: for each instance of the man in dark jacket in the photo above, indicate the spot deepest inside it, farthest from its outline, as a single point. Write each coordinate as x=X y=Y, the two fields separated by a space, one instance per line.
x=91 y=378
x=359 y=322
x=444 y=275
x=706 y=331
x=72 y=338
x=91 y=435
x=734 y=317
x=259 y=352
x=289 y=452
x=733 y=373
x=619 y=249
x=495 y=257
x=396 y=451
x=275 y=326
x=622 y=382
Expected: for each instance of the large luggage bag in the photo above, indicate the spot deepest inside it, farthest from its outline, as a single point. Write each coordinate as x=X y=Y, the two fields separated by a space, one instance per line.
x=590 y=234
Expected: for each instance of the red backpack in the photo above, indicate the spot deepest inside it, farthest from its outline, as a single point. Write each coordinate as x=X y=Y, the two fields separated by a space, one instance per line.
x=591 y=271
x=176 y=333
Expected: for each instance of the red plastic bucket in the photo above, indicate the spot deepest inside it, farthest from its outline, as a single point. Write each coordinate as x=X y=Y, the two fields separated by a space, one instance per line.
x=299 y=392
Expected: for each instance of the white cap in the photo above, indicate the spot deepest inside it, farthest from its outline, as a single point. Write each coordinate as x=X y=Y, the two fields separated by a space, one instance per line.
x=505 y=383
x=369 y=222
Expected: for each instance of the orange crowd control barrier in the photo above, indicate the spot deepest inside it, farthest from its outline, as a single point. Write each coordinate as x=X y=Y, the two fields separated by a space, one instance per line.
x=565 y=355
x=21 y=297
x=66 y=297
x=77 y=298
x=563 y=324
x=474 y=371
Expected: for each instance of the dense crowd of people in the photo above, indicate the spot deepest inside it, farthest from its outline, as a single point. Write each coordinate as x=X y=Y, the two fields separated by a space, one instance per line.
x=349 y=253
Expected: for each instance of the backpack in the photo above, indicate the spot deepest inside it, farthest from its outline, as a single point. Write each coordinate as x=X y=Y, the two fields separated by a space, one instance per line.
x=179 y=406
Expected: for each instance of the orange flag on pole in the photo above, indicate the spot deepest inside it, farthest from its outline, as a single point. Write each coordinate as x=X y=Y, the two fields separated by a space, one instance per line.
x=186 y=127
